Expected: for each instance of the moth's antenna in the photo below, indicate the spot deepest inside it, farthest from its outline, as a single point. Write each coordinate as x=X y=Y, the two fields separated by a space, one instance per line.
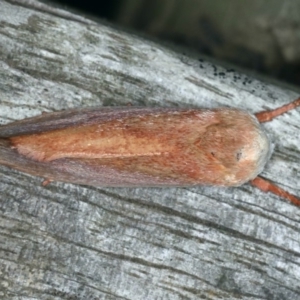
x=264 y=184
x=268 y=115
x=267 y=186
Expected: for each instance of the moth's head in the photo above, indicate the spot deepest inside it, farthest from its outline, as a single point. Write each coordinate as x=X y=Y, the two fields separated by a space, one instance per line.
x=254 y=155
x=236 y=147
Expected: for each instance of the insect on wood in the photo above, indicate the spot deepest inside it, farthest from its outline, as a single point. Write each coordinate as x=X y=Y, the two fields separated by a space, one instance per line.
x=138 y=146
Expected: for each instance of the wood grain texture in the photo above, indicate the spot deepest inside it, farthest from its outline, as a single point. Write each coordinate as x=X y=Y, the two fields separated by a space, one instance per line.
x=66 y=241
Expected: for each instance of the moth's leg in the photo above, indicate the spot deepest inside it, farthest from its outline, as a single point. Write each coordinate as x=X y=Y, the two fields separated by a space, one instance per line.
x=46 y=181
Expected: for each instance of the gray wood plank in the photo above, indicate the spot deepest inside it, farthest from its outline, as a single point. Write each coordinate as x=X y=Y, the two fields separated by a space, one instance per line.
x=66 y=241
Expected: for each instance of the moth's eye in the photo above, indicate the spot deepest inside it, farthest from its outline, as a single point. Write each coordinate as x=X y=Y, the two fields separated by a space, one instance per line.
x=238 y=155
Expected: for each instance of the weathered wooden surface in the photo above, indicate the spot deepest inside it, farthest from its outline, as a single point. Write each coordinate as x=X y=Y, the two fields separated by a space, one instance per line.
x=67 y=241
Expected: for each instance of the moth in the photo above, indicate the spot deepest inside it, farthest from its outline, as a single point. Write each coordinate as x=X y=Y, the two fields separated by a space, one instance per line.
x=142 y=147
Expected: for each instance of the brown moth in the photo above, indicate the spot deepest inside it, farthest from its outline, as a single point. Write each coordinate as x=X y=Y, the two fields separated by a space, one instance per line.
x=138 y=146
